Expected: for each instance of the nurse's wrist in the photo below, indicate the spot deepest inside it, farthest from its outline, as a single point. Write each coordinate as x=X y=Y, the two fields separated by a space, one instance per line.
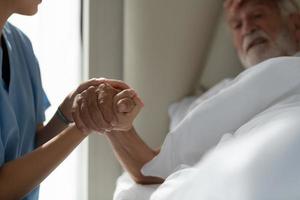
x=62 y=118
x=65 y=108
x=78 y=132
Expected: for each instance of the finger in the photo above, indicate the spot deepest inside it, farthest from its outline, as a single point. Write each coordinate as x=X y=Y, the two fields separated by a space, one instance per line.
x=85 y=114
x=117 y=84
x=105 y=101
x=95 y=112
x=125 y=94
x=139 y=105
x=76 y=115
x=128 y=93
x=125 y=105
x=122 y=96
x=125 y=120
x=92 y=82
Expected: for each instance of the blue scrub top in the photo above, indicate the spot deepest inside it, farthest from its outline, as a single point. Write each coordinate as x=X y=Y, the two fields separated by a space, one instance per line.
x=23 y=106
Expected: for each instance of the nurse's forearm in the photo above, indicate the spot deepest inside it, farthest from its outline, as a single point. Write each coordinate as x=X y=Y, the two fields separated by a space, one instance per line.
x=19 y=177
x=54 y=127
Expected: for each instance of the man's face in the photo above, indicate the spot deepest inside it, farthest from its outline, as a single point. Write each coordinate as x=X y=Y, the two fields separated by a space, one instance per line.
x=259 y=30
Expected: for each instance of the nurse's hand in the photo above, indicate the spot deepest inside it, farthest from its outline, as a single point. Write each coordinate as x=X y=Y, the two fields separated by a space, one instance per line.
x=66 y=105
x=106 y=108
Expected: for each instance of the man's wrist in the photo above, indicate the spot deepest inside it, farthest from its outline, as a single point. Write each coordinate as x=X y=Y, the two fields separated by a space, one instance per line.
x=118 y=132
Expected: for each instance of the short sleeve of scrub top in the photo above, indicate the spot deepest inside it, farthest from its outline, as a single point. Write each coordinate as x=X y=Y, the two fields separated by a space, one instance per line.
x=23 y=105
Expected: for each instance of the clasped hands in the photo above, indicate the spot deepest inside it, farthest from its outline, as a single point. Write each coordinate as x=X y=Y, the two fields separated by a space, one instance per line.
x=110 y=106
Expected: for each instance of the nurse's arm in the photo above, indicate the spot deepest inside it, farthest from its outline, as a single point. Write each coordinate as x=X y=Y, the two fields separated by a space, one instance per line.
x=20 y=176
x=45 y=133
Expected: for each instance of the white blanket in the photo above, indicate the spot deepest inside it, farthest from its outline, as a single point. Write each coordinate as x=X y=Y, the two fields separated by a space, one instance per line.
x=239 y=168
x=259 y=161
x=251 y=92
x=127 y=189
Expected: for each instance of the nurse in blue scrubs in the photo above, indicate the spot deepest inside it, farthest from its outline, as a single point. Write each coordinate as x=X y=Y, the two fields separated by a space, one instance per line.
x=29 y=151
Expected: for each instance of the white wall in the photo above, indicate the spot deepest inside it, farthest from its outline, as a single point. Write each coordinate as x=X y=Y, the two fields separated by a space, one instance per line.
x=103 y=47
x=165 y=46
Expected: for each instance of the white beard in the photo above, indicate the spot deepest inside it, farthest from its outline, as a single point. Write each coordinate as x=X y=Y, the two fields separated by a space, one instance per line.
x=282 y=46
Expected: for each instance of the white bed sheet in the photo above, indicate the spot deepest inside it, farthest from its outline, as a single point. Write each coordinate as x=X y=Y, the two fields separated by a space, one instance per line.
x=127 y=189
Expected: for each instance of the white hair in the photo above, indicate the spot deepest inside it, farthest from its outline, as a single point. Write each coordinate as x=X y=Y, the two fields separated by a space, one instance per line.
x=288 y=7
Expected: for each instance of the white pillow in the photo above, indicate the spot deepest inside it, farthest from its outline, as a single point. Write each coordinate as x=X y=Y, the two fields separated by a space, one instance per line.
x=262 y=163
x=250 y=93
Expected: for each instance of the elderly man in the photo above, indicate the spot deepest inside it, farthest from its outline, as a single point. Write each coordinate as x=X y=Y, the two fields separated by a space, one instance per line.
x=261 y=29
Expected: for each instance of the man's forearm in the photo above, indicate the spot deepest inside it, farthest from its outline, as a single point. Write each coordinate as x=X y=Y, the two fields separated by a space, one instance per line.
x=133 y=153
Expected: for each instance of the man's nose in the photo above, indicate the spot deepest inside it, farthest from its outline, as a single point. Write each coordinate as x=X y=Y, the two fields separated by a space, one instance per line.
x=249 y=27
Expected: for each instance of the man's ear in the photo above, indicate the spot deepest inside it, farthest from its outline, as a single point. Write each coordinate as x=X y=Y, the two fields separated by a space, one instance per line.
x=294 y=23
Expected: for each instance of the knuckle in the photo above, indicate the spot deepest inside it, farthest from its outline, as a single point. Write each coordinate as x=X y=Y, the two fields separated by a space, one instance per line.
x=83 y=107
x=91 y=88
x=102 y=78
x=79 y=98
x=101 y=102
x=127 y=92
x=84 y=93
x=93 y=79
x=98 y=90
x=102 y=86
x=74 y=109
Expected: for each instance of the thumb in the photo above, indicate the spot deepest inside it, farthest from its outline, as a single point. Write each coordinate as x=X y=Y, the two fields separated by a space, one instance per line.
x=125 y=105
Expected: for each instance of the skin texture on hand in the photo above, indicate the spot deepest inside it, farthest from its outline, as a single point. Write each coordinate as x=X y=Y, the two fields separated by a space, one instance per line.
x=67 y=104
x=126 y=100
x=125 y=105
x=105 y=94
x=105 y=108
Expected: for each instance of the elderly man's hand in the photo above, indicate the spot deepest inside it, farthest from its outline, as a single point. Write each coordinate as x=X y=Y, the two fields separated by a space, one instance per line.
x=126 y=105
x=106 y=108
